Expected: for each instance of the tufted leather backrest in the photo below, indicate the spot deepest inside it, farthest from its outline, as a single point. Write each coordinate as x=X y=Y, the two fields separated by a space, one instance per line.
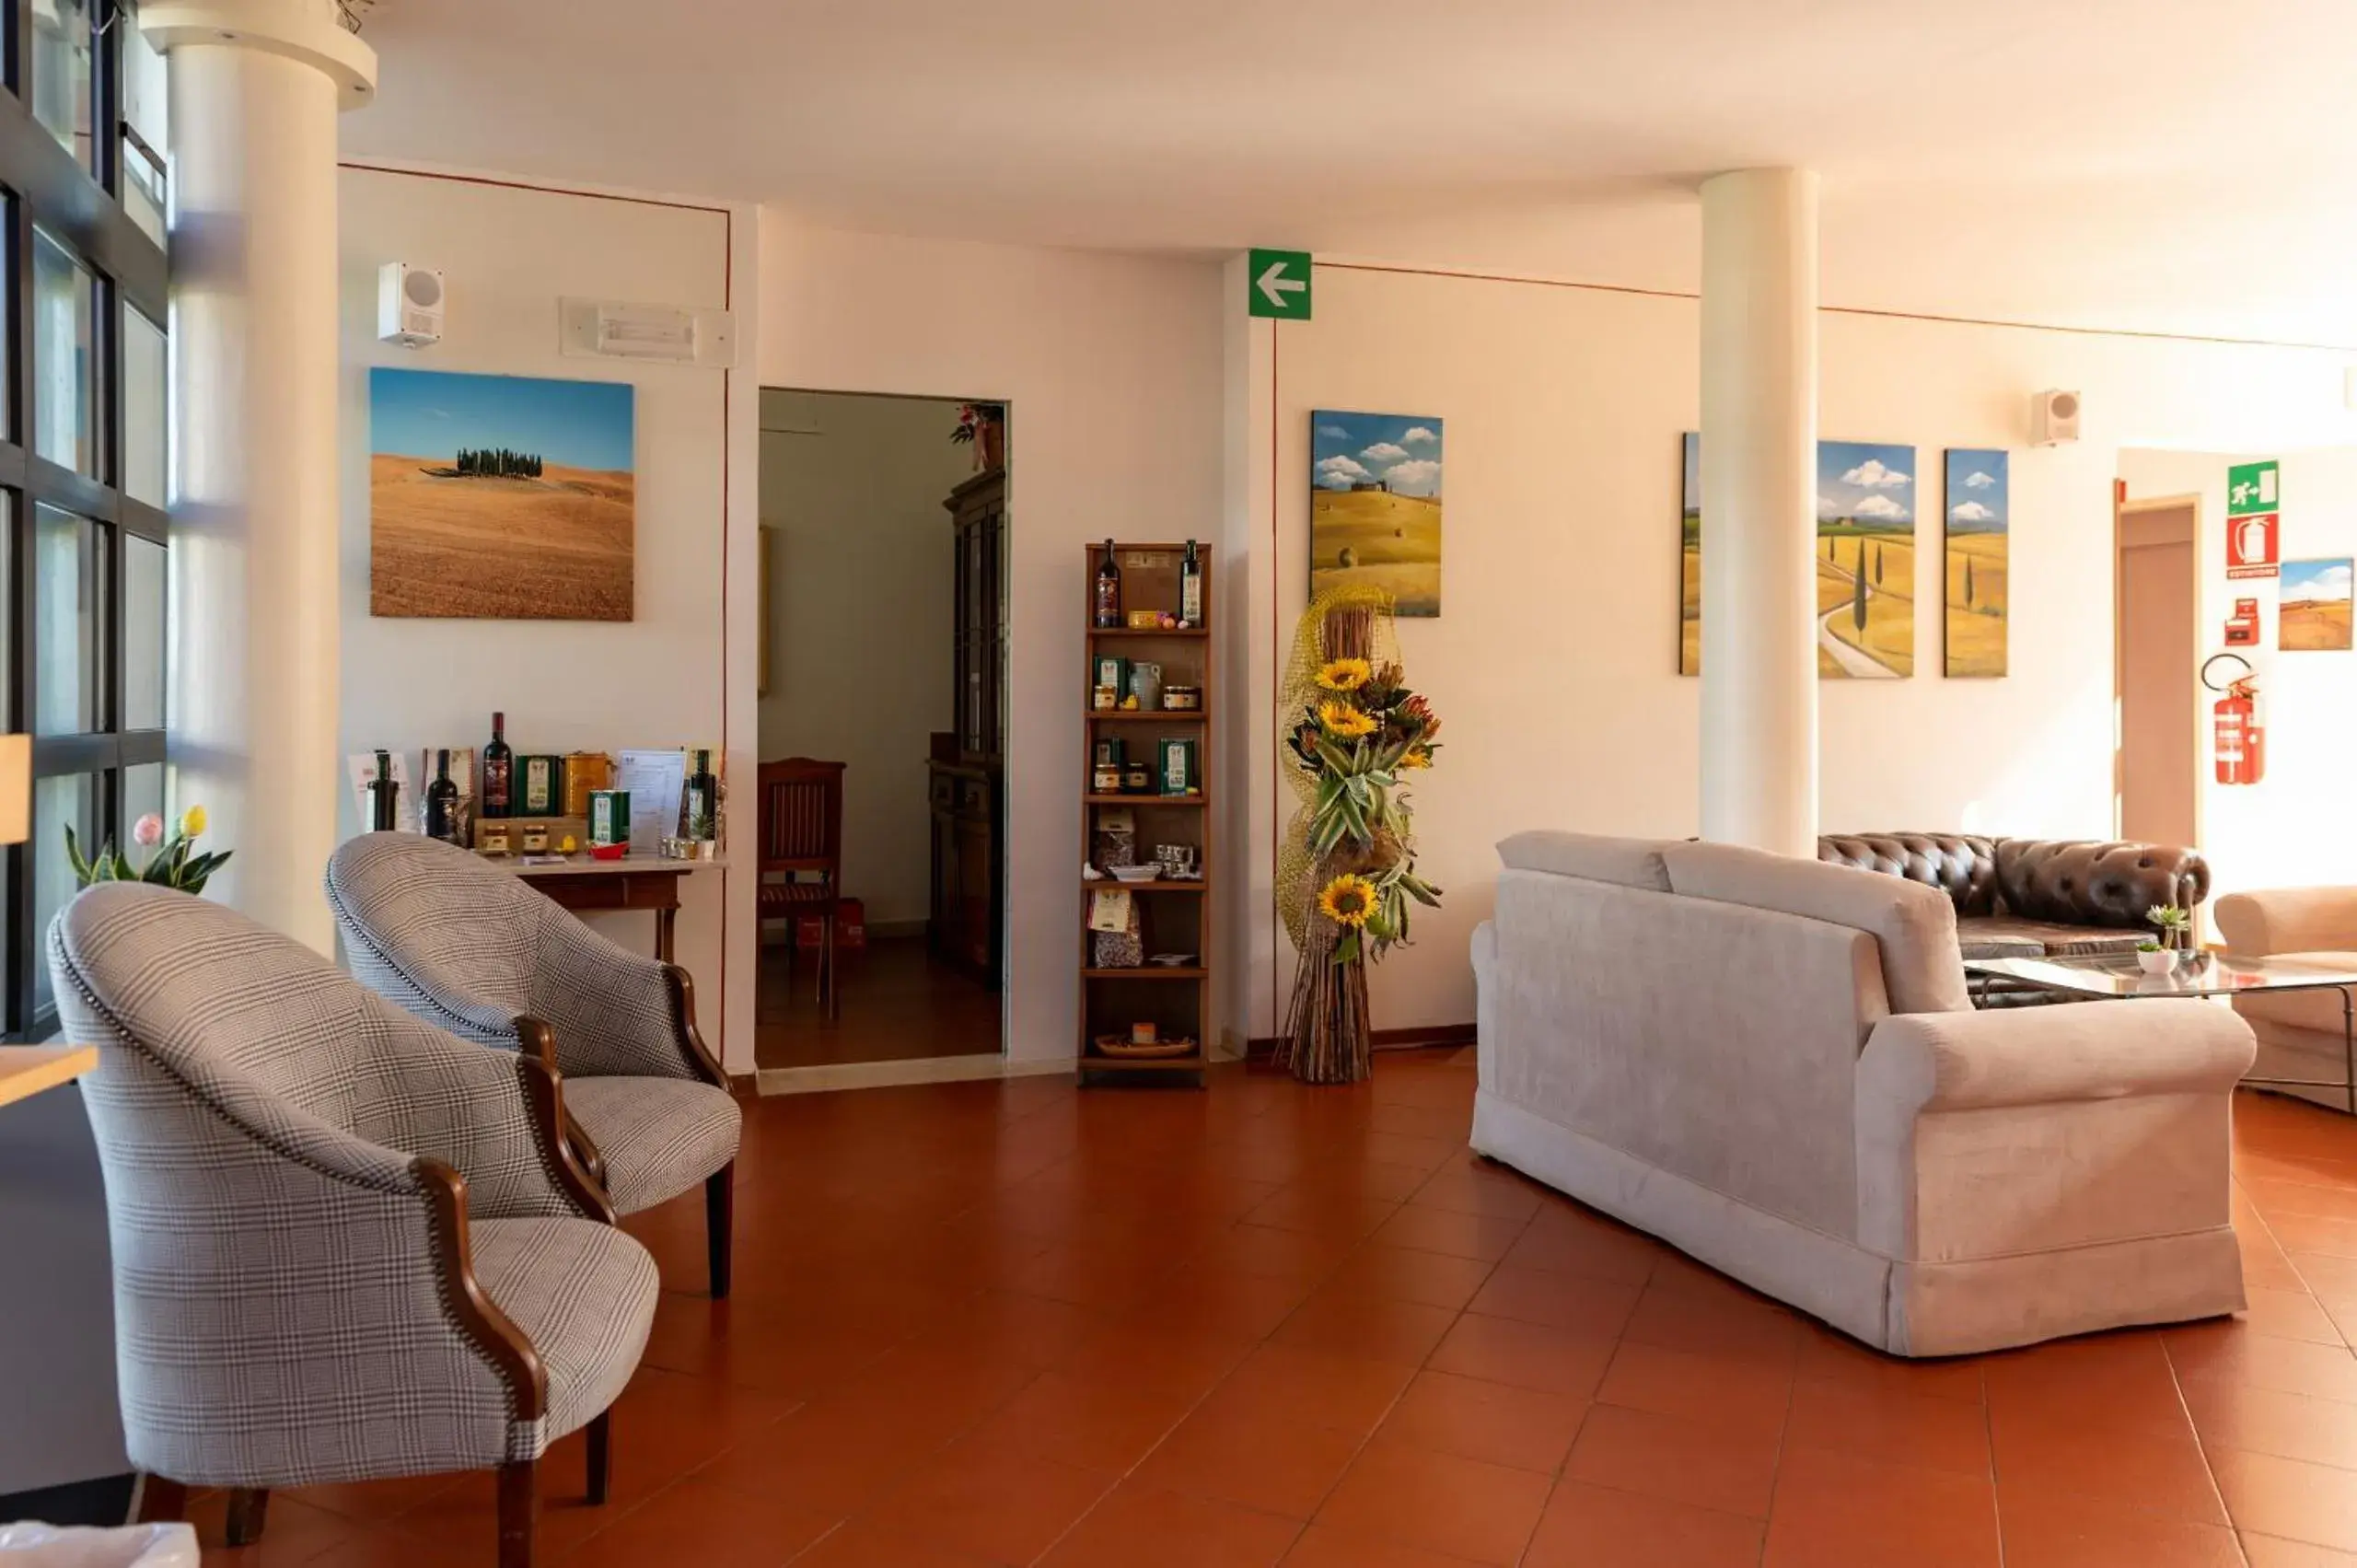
x=2088 y=883
x=1962 y=865
x=2071 y=882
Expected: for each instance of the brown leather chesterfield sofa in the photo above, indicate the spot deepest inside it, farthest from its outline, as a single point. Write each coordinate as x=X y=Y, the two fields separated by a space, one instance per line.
x=2026 y=898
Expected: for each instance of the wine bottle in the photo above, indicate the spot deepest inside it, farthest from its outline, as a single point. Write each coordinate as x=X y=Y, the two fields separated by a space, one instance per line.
x=442 y=802
x=383 y=797
x=1108 y=590
x=498 y=772
x=1190 y=588
x=699 y=802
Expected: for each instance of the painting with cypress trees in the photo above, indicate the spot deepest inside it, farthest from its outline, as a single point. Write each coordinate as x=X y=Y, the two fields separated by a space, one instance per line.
x=500 y=497
x=1979 y=517
x=1865 y=560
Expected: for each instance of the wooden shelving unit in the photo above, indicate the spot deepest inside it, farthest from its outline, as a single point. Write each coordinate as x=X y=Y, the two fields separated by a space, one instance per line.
x=1174 y=917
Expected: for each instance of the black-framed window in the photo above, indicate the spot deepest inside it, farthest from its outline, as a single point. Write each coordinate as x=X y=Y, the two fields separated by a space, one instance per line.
x=82 y=421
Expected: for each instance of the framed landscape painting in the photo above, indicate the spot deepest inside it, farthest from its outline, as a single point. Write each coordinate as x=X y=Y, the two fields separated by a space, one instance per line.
x=1865 y=560
x=2313 y=614
x=500 y=497
x=1974 y=566
x=1375 y=505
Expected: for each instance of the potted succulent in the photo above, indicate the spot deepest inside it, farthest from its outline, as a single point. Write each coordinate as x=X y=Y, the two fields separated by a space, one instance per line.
x=2175 y=925
x=2153 y=958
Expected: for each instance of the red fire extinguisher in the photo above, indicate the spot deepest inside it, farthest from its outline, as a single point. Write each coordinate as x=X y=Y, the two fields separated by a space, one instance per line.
x=2240 y=721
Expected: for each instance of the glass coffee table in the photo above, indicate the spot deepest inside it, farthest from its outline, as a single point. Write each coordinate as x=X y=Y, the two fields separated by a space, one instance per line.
x=2097 y=977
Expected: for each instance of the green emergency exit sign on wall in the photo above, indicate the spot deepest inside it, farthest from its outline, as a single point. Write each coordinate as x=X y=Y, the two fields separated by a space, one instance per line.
x=2252 y=487
x=1276 y=282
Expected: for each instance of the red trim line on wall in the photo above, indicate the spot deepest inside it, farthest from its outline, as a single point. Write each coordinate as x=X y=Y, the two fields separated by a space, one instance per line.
x=727 y=302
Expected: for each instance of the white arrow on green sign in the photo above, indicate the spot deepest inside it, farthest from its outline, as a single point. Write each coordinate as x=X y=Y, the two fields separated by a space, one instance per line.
x=1276 y=283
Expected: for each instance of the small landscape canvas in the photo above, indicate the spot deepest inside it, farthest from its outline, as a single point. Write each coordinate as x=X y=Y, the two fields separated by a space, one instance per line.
x=500 y=497
x=2314 y=614
x=1865 y=560
x=1976 y=561
x=1375 y=505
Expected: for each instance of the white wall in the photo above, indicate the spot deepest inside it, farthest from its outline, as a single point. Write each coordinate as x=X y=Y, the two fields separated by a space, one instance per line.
x=664 y=678
x=2280 y=832
x=1554 y=660
x=1112 y=369
x=862 y=578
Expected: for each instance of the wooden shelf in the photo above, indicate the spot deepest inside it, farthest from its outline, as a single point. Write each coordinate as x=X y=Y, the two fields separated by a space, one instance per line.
x=1176 y=1002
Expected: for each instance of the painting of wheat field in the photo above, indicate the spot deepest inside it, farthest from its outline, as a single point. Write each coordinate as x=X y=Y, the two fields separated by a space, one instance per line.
x=500 y=497
x=1375 y=505
x=1976 y=561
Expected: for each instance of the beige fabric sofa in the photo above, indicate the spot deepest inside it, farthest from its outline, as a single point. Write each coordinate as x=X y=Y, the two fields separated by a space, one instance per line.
x=1772 y=1064
x=2299 y=1031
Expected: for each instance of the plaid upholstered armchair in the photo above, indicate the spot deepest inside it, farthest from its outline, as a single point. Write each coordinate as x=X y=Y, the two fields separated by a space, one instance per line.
x=347 y=1245
x=470 y=948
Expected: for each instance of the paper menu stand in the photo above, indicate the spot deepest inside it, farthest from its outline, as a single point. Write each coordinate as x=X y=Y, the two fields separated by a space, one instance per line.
x=362 y=765
x=655 y=780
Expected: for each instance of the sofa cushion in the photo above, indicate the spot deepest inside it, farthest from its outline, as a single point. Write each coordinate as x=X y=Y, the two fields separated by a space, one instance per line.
x=1915 y=925
x=1629 y=863
x=2010 y=936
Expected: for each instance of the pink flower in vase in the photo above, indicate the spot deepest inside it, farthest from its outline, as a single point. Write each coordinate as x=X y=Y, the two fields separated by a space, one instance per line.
x=148 y=832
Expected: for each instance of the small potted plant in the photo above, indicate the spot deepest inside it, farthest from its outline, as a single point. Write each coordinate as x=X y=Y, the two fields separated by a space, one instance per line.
x=984 y=427
x=2175 y=925
x=174 y=864
x=2153 y=958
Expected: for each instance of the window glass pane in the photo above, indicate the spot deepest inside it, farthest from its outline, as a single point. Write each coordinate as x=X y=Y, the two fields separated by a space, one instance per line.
x=146 y=83
x=67 y=798
x=61 y=73
x=143 y=420
x=70 y=576
x=143 y=187
x=143 y=563
x=65 y=395
x=143 y=792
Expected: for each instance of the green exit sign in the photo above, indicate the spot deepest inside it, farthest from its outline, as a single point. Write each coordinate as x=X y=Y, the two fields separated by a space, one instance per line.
x=1276 y=282
x=2252 y=487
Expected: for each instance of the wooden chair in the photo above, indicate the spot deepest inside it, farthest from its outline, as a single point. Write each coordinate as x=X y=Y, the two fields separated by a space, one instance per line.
x=801 y=831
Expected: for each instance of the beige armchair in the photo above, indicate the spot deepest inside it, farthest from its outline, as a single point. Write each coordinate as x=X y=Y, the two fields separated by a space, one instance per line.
x=2305 y=1038
x=347 y=1246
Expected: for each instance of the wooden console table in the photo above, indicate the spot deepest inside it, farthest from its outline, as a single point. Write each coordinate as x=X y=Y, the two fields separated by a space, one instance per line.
x=649 y=882
x=26 y=1070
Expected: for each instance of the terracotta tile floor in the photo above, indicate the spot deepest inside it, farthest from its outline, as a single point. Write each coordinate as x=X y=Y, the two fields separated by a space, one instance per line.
x=897 y=1004
x=1011 y=1323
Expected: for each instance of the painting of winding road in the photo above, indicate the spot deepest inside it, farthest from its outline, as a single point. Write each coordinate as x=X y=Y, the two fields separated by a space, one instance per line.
x=1865 y=560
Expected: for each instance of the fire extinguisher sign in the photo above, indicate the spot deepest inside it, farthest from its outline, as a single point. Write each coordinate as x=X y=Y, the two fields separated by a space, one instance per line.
x=2253 y=519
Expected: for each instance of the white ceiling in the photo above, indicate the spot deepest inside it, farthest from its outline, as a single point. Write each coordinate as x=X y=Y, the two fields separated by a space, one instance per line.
x=2158 y=164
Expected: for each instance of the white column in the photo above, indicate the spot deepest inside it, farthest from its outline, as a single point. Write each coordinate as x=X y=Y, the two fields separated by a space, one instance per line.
x=256 y=85
x=1759 y=748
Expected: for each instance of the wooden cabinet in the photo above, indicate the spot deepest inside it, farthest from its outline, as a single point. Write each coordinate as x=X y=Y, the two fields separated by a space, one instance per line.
x=969 y=823
x=977 y=517
x=969 y=881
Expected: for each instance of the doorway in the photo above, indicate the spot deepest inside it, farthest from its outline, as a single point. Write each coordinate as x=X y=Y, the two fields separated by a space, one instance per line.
x=883 y=658
x=2159 y=757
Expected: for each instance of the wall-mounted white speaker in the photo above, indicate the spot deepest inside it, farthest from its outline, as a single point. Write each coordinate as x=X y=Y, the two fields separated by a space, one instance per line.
x=409 y=305
x=2053 y=419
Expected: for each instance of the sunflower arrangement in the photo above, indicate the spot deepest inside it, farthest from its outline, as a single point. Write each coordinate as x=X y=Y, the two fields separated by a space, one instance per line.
x=1346 y=877
x=1354 y=740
